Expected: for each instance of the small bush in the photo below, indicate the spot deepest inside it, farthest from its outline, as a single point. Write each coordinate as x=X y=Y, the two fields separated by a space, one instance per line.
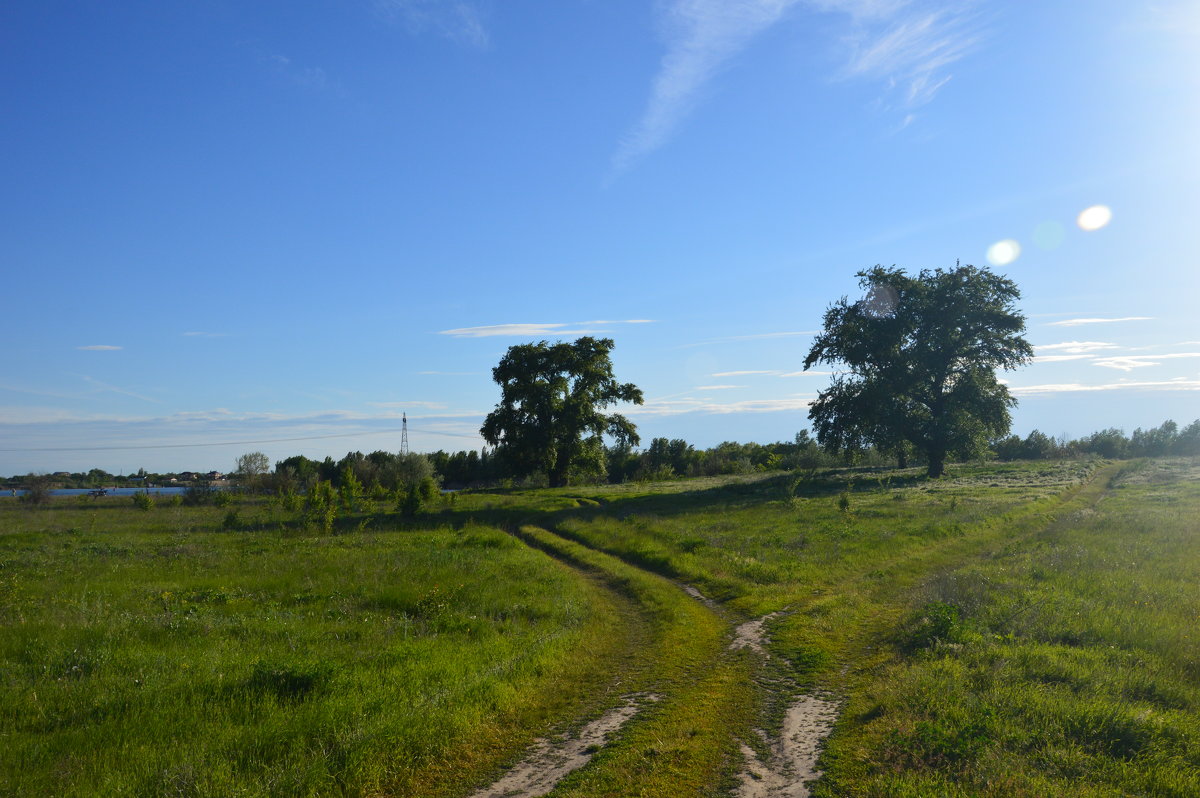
x=233 y=520
x=222 y=498
x=143 y=500
x=197 y=495
x=936 y=622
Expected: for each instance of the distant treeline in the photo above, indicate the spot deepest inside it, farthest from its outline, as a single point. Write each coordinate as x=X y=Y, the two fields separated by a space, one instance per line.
x=1161 y=441
x=663 y=459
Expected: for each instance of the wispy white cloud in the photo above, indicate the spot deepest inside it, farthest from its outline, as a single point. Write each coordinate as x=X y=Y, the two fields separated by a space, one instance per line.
x=1178 y=384
x=1130 y=362
x=1059 y=358
x=701 y=36
x=99 y=348
x=912 y=54
x=716 y=387
x=457 y=20
x=1076 y=347
x=905 y=45
x=536 y=330
x=1080 y=322
x=809 y=373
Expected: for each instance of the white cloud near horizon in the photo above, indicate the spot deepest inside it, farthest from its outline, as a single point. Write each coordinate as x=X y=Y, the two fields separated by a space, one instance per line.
x=1076 y=347
x=99 y=348
x=1178 y=384
x=904 y=44
x=536 y=330
x=716 y=387
x=1080 y=322
x=1130 y=362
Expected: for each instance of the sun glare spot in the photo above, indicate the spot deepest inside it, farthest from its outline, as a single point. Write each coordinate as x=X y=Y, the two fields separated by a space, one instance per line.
x=1003 y=252
x=1094 y=218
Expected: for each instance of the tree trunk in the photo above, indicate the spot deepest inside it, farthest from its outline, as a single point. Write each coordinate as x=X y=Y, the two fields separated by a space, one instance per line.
x=937 y=464
x=558 y=474
x=902 y=458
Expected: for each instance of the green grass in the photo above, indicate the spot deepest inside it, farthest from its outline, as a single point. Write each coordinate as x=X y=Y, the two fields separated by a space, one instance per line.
x=1068 y=664
x=206 y=662
x=1019 y=628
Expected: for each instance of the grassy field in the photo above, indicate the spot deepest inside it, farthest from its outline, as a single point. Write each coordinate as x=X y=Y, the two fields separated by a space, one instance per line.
x=1025 y=629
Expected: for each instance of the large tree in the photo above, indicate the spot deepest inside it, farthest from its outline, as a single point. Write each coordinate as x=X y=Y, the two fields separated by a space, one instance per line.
x=920 y=355
x=549 y=417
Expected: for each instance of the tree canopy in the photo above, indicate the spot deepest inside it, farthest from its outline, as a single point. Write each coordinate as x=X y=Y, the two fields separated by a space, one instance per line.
x=549 y=417
x=920 y=355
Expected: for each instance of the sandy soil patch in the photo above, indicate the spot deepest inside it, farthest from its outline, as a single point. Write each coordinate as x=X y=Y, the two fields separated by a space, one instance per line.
x=550 y=760
x=792 y=761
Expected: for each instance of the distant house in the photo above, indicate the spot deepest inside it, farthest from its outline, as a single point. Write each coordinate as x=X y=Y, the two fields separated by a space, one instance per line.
x=215 y=475
x=187 y=476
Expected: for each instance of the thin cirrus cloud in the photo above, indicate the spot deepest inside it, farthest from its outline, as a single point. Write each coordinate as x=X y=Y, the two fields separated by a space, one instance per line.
x=98 y=348
x=905 y=46
x=1081 y=322
x=1131 y=362
x=457 y=20
x=537 y=330
x=1178 y=384
x=1076 y=347
x=716 y=387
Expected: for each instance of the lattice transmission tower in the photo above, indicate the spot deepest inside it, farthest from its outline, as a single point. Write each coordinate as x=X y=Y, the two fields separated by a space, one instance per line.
x=404 y=433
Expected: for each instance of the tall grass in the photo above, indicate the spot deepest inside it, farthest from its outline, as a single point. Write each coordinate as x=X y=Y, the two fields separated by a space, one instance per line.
x=208 y=662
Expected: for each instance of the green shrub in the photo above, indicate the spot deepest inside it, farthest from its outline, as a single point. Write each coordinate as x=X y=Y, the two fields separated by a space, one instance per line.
x=197 y=495
x=936 y=622
x=222 y=498
x=143 y=500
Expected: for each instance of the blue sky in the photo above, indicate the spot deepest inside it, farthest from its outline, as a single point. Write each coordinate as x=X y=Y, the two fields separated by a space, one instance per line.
x=278 y=226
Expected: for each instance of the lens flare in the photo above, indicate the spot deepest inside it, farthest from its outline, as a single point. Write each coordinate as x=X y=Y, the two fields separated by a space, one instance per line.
x=1003 y=252
x=1094 y=218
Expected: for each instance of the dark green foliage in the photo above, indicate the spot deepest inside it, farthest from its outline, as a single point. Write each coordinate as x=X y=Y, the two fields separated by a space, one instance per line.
x=142 y=500
x=921 y=355
x=549 y=417
x=936 y=622
x=37 y=489
x=197 y=495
